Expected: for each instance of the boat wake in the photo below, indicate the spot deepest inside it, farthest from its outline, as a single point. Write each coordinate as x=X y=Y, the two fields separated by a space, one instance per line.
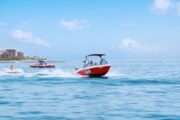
x=15 y=72
x=40 y=74
x=55 y=73
x=115 y=73
x=47 y=73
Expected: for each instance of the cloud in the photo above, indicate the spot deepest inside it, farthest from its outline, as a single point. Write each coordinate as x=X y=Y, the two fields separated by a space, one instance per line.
x=129 y=43
x=161 y=6
x=132 y=45
x=74 y=25
x=164 y=6
x=26 y=36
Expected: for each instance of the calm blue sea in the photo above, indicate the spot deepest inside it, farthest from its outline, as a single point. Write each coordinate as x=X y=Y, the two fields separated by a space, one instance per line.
x=133 y=90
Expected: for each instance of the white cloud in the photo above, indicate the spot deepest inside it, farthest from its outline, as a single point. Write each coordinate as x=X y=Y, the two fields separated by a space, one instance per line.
x=26 y=36
x=161 y=6
x=164 y=6
x=73 y=25
x=130 y=44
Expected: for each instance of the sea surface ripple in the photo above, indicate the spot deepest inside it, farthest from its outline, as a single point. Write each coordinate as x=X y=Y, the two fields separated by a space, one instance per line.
x=133 y=90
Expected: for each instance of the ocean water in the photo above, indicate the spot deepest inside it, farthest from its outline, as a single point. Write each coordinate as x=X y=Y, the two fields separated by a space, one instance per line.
x=132 y=90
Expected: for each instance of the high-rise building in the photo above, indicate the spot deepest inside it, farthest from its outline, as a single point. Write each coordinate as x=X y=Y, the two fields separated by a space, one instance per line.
x=1 y=52
x=20 y=54
x=11 y=53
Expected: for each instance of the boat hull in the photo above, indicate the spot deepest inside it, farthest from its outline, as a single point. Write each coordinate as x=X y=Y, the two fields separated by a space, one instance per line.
x=43 y=66
x=94 y=71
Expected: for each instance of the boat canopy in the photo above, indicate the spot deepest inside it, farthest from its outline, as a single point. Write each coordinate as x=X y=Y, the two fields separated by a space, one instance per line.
x=88 y=62
x=99 y=55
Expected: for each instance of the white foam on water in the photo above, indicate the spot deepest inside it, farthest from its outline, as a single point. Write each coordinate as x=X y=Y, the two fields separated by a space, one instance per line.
x=15 y=72
x=41 y=73
x=54 y=73
x=114 y=73
x=51 y=73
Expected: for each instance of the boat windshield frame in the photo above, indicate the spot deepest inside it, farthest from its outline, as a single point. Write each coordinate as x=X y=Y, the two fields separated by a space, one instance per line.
x=42 y=62
x=89 y=63
x=98 y=55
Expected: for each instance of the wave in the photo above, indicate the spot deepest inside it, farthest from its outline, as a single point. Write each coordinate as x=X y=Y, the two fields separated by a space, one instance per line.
x=115 y=73
x=55 y=73
x=41 y=73
x=52 y=73
x=15 y=72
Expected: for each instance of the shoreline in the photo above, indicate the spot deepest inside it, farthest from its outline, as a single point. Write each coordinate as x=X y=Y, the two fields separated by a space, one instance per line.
x=26 y=61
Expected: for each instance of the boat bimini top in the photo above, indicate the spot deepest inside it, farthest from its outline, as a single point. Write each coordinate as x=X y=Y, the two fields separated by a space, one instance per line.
x=88 y=63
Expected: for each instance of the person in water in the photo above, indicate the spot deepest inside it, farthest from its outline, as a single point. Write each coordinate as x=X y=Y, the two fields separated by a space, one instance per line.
x=11 y=67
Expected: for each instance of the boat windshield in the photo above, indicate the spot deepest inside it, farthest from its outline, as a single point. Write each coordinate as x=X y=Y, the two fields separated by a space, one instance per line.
x=41 y=62
x=89 y=62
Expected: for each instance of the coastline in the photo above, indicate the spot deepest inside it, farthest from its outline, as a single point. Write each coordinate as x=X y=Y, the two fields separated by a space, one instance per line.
x=26 y=61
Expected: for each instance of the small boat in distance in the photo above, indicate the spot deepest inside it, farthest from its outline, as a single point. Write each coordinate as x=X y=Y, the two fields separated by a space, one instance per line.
x=94 y=69
x=42 y=64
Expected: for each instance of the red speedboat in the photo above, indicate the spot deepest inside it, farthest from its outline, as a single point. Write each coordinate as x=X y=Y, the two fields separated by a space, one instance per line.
x=42 y=64
x=94 y=69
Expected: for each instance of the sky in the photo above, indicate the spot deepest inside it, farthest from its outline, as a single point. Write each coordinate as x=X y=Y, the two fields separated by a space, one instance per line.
x=71 y=29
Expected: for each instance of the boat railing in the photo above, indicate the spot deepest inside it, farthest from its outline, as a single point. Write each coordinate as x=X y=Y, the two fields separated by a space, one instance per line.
x=91 y=63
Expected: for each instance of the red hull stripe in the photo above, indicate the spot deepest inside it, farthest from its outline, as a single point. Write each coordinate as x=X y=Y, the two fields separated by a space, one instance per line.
x=94 y=71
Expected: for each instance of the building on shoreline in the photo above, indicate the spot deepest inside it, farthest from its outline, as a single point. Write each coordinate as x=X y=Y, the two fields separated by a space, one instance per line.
x=14 y=54
x=20 y=54
x=11 y=54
